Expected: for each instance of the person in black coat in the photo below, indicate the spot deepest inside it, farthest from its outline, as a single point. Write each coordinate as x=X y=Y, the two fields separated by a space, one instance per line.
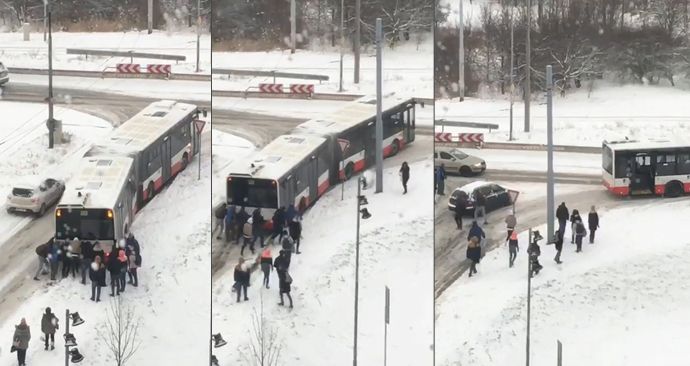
x=97 y=277
x=534 y=252
x=114 y=267
x=278 y=224
x=42 y=253
x=404 y=175
x=296 y=232
x=574 y=218
x=258 y=222
x=241 y=277
x=562 y=215
x=476 y=231
x=480 y=207
x=240 y=219
x=593 y=221
x=86 y=259
x=474 y=254
x=559 y=246
x=459 y=211
x=284 y=282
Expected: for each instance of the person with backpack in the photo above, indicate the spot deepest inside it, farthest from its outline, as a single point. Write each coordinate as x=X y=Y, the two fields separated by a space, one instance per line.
x=574 y=218
x=474 y=254
x=49 y=323
x=513 y=248
x=534 y=251
x=266 y=265
x=295 y=228
x=241 y=277
x=593 y=223
x=459 y=210
x=511 y=223
x=258 y=222
x=476 y=231
x=284 y=282
x=404 y=175
x=114 y=267
x=480 y=206
x=559 y=246
x=20 y=341
x=97 y=277
x=247 y=230
x=220 y=219
x=42 y=255
x=281 y=265
x=580 y=232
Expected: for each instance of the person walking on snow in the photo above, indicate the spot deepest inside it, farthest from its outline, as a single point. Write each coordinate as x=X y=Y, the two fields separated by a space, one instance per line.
x=474 y=254
x=511 y=223
x=290 y=214
x=562 y=214
x=278 y=221
x=124 y=268
x=97 y=277
x=42 y=255
x=241 y=278
x=513 y=248
x=49 y=323
x=86 y=259
x=229 y=221
x=593 y=223
x=133 y=261
x=295 y=228
x=114 y=267
x=580 y=232
x=574 y=218
x=288 y=247
x=476 y=231
x=459 y=211
x=534 y=252
x=20 y=341
x=559 y=246
x=404 y=175
x=247 y=230
x=266 y=265
x=284 y=282
x=480 y=206
x=440 y=180
x=220 y=219
x=258 y=227
x=240 y=219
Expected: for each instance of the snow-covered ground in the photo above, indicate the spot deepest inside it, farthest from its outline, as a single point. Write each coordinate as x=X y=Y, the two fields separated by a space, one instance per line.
x=623 y=301
x=409 y=67
x=395 y=251
x=15 y=52
x=226 y=149
x=535 y=161
x=610 y=112
x=24 y=145
x=172 y=300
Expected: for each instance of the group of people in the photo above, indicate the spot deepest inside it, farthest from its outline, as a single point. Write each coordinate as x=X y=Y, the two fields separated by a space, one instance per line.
x=93 y=259
x=22 y=335
x=479 y=209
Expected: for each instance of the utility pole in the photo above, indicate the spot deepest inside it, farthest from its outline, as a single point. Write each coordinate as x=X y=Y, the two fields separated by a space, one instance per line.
x=51 y=119
x=461 y=53
x=512 y=69
x=359 y=206
x=293 y=25
x=379 y=101
x=528 y=59
x=358 y=4
x=549 y=169
x=150 y=16
x=45 y=19
x=529 y=294
x=66 y=332
x=342 y=42
x=198 y=32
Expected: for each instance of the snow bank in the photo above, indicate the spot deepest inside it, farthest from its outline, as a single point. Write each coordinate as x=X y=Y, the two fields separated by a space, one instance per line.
x=628 y=292
x=395 y=250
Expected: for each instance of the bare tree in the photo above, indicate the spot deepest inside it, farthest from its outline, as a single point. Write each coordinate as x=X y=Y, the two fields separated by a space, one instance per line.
x=265 y=346
x=120 y=331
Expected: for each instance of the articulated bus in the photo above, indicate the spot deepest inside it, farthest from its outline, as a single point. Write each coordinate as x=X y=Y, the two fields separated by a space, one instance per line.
x=296 y=169
x=659 y=167
x=160 y=141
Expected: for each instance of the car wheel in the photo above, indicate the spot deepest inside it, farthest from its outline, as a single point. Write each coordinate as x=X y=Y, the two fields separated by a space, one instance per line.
x=465 y=171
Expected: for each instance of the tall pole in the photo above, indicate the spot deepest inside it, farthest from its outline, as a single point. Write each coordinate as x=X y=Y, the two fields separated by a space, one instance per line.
x=293 y=26
x=342 y=41
x=51 y=120
x=550 y=204
x=45 y=19
x=358 y=5
x=529 y=293
x=461 y=52
x=379 y=101
x=150 y=16
x=512 y=70
x=354 y=348
x=198 y=32
x=528 y=59
x=386 y=320
x=66 y=332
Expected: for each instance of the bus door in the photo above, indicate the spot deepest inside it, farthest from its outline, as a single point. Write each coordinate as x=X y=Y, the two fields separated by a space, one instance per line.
x=410 y=123
x=166 y=159
x=313 y=179
x=370 y=144
x=642 y=175
x=289 y=191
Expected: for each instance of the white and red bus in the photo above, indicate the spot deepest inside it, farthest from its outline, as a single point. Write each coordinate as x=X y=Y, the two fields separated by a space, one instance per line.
x=659 y=167
x=159 y=142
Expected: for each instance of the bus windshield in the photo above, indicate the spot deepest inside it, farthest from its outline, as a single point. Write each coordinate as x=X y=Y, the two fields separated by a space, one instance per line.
x=84 y=224
x=248 y=192
x=607 y=160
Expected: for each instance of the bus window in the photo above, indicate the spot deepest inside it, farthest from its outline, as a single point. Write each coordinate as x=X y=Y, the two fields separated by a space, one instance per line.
x=684 y=163
x=665 y=164
x=622 y=165
x=249 y=192
x=73 y=223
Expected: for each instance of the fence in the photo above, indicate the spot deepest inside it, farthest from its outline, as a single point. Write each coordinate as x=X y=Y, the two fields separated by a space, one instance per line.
x=488 y=126
x=271 y=73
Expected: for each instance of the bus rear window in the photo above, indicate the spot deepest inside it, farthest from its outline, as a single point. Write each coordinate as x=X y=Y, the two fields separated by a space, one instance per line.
x=607 y=160
x=249 y=192
x=92 y=224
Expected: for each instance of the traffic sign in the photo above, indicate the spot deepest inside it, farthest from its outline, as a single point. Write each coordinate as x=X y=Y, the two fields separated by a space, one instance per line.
x=128 y=68
x=513 y=195
x=442 y=137
x=271 y=88
x=302 y=88
x=199 y=125
x=471 y=137
x=159 y=69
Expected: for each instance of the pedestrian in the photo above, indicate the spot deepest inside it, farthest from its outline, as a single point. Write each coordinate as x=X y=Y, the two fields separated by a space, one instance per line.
x=574 y=218
x=241 y=277
x=284 y=282
x=54 y=258
x=476 y=231
x=98 y=251
x=559 y=246
x=133 y=261
x=440 y=180
x=513 y=248
x=114 y=267
x=66 y=258
x=580 y=232
x=124 y=268
x=42 y=256
x=247 y=230
x=404 y=175
x=75 y=255
x=49 y=323
x=229 y=222
x=562 y=214
x=240 y=219
x=278 y=222
x=132 y=243
x=534 y=251
x=301 y=208
x=511 y=223
x=593 y=223
x=97 y=277
x=20 y=341
x=474 y=254
x=258 y=222
x=266 y=265
x=290 y=214
x=480 y=206
x=220 y=219
x=85 y=259
x=295 y=228
x=459 y=210
x=288 y=247
x=281 y=264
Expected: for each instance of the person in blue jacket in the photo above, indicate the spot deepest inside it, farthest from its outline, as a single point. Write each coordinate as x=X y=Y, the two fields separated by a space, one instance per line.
x=290 y=214
x=440 y=178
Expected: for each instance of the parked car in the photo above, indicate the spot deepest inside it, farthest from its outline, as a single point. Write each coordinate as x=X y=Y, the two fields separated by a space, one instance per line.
x=35 y=198
x=4 y=75
x=496 y=196
x=456 y=161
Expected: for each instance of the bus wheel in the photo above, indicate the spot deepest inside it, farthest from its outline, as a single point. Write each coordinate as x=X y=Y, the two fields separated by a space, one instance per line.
x=349 y=169
x=673 y=189
x=149 y=191
x=395 y=147
x=185 y=161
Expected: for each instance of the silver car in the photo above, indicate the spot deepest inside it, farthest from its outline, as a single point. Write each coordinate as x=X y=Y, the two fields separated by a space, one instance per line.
x=457 y=162
x=4 y=75
x=35 y=198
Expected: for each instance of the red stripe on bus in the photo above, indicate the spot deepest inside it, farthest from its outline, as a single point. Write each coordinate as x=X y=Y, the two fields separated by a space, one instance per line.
x=660 y=189
x=687 y=187
x=359 y=165
x=323 y=187
x=176 y=168
x=387 y=151
x=621 y=191
x=158 y=183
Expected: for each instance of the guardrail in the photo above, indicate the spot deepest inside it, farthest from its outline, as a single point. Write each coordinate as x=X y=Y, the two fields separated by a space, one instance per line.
x=108 y=74
x=130 y=54
x=337 y=97
x=270 y=73
x=488 y=126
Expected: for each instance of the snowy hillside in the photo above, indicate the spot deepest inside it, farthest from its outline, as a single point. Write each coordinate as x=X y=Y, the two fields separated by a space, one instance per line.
x=623 y=301
x=395 y=251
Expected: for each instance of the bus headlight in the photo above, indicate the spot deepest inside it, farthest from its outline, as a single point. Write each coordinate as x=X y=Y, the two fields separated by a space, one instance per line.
x=110 y=214
x=58 y=212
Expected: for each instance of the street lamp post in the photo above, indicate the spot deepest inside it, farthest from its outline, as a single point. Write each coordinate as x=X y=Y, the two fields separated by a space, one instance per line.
x=198 y=32
x=51 y=120
x=361 y=201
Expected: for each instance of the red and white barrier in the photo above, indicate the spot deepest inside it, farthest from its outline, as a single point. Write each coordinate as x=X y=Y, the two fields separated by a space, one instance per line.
x=443 y=137
x=159 y=69
x=128 y=68
x=271 y=88
x=471 y=137
x=302 y=88
x=448 y=137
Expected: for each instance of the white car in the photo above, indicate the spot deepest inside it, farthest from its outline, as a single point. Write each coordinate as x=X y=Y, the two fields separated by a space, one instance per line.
x=4 y=75
x=457 y=162
x=35 y=198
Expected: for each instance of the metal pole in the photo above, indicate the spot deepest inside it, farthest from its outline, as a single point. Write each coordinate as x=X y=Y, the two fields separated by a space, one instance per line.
x=358 y=15
x=51 y=120
x=342 y=41
x=45 y=20
x=66 y=332
x=550 y=204
x=529 y=293
x=354 y=348
x=512 y=70
x=199 y=173
x=528 y=59
x=342 y=181
x=461 y=52
x=198 y=32
x=379 y=119
x=150 y=16
x=293 y=26
x=386 y=320
x=559 y=359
